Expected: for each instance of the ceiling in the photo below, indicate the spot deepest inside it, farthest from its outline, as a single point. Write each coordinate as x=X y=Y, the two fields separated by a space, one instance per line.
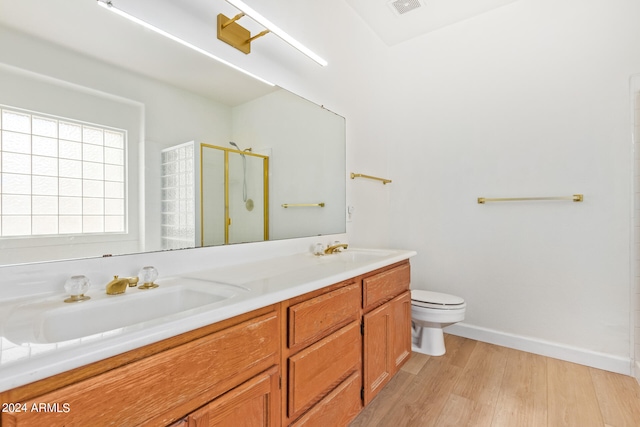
x=418 y=17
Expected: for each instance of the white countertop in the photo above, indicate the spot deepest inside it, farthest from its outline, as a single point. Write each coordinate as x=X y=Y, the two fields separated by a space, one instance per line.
x=258 y=284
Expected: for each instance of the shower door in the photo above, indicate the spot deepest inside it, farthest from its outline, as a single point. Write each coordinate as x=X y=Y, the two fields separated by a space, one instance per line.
x=234 y=199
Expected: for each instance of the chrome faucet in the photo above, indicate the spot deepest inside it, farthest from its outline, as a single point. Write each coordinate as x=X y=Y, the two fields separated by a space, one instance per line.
x=335 y=248
x=119 y=284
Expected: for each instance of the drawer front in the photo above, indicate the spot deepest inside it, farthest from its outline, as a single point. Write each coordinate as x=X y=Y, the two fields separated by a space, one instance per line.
x=339 y=408
x=385 y=286
x=161 y=388
x=318 y=369
x=316 y=318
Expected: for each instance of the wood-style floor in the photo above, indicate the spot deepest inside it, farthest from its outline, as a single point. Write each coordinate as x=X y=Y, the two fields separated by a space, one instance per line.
x=479 y=384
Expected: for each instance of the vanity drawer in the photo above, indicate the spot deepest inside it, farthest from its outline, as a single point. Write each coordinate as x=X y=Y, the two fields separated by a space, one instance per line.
x=318 y=369
x=338 y=408
x=316 y=318
x=385 y=286
x=160 y=388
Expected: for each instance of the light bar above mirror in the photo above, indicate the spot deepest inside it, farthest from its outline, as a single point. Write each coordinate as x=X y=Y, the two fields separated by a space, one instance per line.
x=235 y=35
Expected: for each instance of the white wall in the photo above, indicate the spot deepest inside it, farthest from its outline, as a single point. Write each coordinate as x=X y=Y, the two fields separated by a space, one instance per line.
x=635 y=287
x=531 y=99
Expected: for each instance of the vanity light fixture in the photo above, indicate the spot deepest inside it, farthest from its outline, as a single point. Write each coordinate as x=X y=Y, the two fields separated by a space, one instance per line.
x=107 y=4
x=232 y=33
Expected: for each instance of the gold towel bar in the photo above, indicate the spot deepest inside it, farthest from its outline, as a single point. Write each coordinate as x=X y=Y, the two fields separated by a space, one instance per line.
x=300 y=205
x=574 y=198
x=359 y=175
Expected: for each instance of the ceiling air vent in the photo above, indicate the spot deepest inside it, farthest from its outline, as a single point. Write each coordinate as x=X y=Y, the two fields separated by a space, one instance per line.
x=400 y=7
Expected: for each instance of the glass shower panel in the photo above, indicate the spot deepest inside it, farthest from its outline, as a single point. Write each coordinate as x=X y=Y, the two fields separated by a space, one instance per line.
x=246 y=198
x=213 y=197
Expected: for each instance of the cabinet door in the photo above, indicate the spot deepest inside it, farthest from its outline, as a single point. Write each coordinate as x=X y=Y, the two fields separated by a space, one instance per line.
x=387 y=343
x=252 y=404
x=378 y=366
x=401 y=323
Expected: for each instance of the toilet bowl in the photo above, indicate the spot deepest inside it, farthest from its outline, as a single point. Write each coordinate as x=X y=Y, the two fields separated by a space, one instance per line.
x=430 y=313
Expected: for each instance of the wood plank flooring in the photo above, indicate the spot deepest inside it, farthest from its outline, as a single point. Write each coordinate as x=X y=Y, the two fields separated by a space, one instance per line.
x=480 y=384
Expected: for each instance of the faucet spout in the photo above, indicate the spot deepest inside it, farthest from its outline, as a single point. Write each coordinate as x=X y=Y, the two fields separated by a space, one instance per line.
x=335 y=248
x=119 y=284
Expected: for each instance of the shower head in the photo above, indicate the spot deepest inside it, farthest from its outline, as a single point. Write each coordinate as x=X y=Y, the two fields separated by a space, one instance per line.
x=236 y=145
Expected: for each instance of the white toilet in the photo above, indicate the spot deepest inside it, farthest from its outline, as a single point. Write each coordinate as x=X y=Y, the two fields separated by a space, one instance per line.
x=430 y=312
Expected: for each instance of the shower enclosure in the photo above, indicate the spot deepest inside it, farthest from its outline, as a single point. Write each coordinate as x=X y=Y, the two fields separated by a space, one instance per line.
x=234 y=187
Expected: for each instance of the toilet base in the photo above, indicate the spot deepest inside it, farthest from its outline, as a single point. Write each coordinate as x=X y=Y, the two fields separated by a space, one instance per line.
x=427 y=338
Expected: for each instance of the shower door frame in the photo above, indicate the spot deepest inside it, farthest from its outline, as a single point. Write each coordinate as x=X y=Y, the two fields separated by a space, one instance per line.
x=227 y=218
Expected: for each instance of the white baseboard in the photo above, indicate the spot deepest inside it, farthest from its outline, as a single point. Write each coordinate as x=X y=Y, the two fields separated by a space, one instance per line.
x=637 y=371
x=607 y=362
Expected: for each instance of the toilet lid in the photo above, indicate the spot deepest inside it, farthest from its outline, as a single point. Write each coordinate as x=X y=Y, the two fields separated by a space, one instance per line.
x=429 y=299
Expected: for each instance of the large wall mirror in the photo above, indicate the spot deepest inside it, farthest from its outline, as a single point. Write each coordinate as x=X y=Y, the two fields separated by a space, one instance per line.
x=115 y=140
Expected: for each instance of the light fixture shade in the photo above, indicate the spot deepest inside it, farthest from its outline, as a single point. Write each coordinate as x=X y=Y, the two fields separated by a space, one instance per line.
x=250 y=12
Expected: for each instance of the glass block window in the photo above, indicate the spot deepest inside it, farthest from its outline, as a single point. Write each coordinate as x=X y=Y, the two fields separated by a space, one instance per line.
x=178 y=199
x=60 y=176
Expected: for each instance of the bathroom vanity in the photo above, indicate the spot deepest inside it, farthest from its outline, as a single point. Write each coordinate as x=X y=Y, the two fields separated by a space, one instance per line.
x=309 y=346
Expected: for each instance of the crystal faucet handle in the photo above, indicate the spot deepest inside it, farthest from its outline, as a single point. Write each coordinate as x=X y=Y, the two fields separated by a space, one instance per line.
x=76 y=286
x=318 y=249
x=147 y=275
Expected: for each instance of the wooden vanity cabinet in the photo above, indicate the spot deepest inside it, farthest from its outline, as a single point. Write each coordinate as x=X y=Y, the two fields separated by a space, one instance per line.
x=323 y=357
x=231 y=374
x=344 y=343
x=386 y=327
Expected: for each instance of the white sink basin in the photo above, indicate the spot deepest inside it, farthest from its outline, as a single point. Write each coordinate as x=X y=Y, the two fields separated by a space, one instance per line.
x=355 y=256
x=285 y=269
x=52 y=321
x=361 y=255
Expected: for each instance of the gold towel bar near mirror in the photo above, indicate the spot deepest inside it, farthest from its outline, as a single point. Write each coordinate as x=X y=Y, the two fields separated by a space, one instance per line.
x=360 y=175
x=574 y=198
x=301 y=205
